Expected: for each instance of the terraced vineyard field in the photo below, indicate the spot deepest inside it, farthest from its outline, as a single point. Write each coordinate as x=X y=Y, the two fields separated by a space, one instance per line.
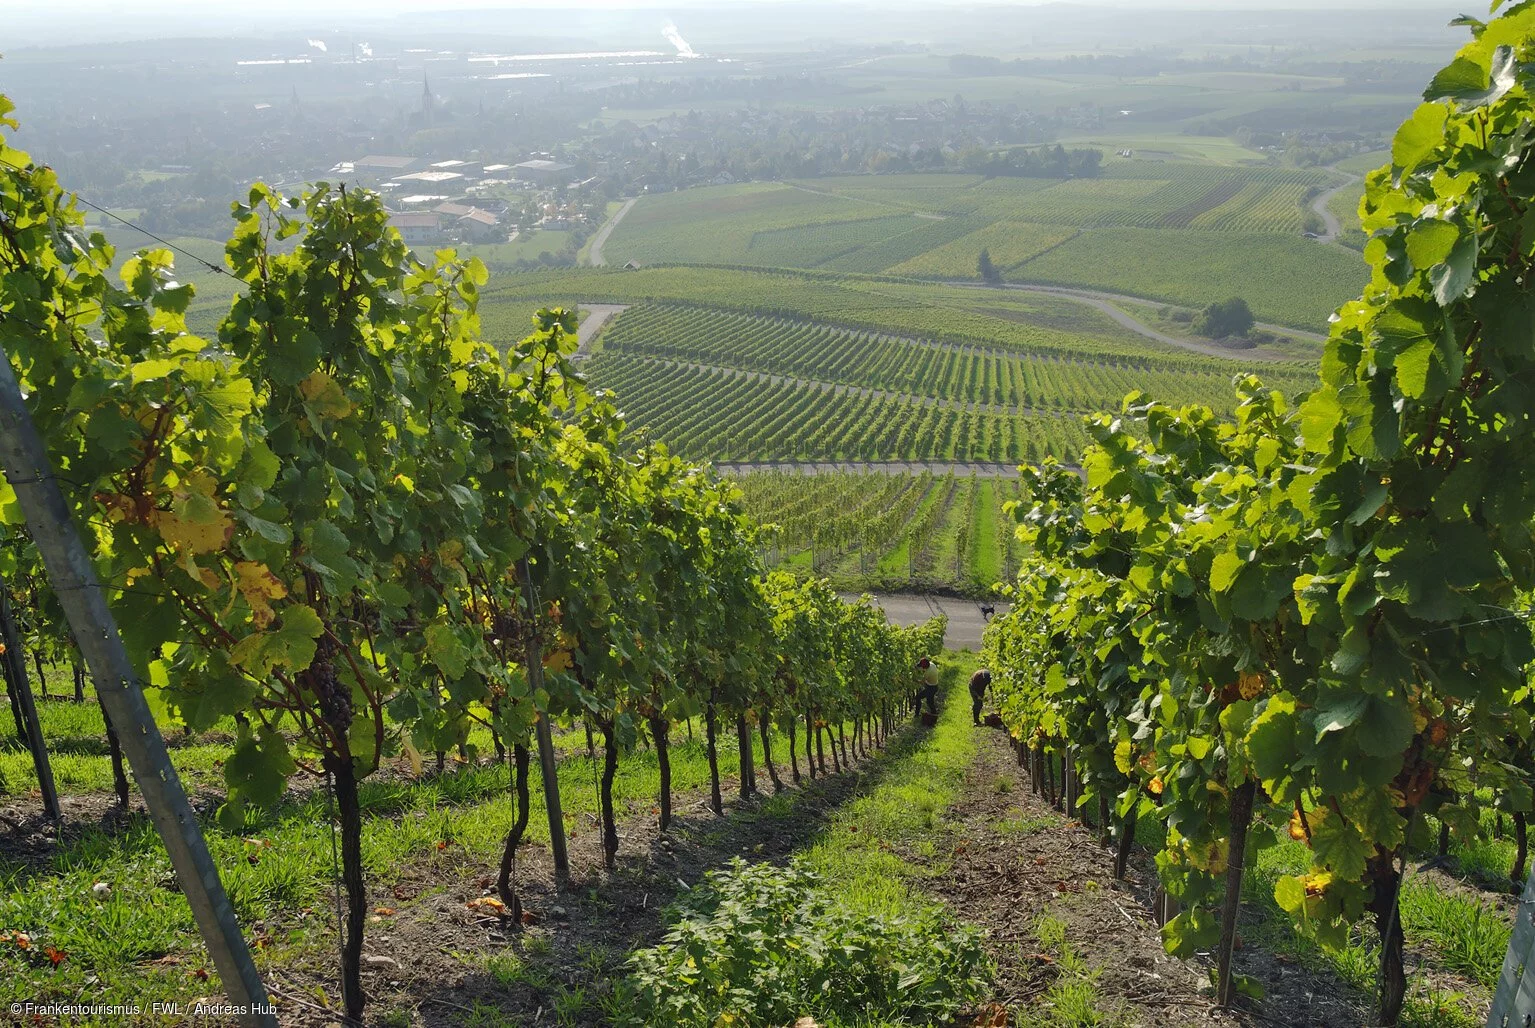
x=809 y=246
x=888 y=532
x=724 y=414
x=943 y=371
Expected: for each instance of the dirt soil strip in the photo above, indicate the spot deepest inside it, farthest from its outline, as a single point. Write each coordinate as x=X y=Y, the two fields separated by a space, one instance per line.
x=1016 y=858
x=427 y=956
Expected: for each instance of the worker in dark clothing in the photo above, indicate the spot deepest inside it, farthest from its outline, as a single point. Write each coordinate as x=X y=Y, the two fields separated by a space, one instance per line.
x=979 y=682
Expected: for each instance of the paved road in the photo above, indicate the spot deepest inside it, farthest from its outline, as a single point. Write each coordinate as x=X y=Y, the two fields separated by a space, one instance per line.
x=600 y=240
x=980 y=469
x=1328 y=218
x=966 y=622
x=597 y=315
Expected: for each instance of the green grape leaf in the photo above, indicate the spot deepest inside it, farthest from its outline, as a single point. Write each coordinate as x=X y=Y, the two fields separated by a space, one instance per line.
x=259 y=766
x=290 y=645
x=1224 y=570
x=1338 y=846
x=1339 y=712
x=1430 y=242
x=1452 y=278
x=1420 y=135
x=1413 y=366
x=446 y=650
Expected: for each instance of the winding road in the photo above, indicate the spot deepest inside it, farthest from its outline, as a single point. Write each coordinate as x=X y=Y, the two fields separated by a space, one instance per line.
x=601 y=238
x=1334 y=229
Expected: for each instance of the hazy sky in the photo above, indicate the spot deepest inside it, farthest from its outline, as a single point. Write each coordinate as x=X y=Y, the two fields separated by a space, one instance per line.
x=56 y=22
x=64 y=10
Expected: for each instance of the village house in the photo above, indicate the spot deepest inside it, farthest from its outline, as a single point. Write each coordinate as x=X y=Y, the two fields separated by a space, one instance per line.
x=422 y=228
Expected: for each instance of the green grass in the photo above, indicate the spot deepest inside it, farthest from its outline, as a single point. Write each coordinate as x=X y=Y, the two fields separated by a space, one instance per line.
x=862 y=853
x=526 y=247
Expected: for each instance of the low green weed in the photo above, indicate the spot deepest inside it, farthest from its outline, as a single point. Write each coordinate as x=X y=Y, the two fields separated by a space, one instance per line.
x=762 y=945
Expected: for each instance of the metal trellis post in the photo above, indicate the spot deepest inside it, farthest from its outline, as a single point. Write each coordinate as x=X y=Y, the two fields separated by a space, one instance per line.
x=1513 y=1005
x=25 y=462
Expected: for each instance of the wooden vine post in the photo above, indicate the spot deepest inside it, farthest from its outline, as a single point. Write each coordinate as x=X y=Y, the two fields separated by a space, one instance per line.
x=25 y=463
x=21 y=693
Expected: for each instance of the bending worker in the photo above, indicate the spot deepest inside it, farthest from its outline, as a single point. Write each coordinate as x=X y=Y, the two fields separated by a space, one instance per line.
x=978 y=685
x=928 y=692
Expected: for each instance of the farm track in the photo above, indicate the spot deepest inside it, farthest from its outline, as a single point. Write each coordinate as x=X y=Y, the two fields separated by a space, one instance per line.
x=601 y=239
x=1334 y=228
x=597 y=315
x=844 y=388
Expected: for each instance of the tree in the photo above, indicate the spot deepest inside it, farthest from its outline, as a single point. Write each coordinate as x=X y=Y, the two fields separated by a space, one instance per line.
x=1221 y=320
x=988 y=271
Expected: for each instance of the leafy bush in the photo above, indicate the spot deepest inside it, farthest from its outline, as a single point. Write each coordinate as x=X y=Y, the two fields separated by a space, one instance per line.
x=1220 y=320
x=763 y=945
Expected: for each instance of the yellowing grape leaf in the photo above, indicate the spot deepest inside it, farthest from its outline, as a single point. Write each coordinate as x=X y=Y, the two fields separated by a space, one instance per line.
x=558 y=660
x=411 y=754
x=195 y=523
x=324 y=397
x=259 y=586
x=1250 y=684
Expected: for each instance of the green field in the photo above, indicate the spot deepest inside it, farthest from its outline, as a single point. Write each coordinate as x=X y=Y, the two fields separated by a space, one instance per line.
x=1221 y=229
x=1286 y=280
x=1009 y=244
